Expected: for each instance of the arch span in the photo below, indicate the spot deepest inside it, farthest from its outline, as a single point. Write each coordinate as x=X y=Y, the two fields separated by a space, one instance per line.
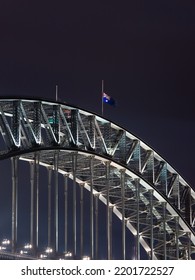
x=138 y=185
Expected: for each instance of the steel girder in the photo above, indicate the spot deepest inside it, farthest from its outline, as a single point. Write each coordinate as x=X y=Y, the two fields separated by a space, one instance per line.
x=135 y=183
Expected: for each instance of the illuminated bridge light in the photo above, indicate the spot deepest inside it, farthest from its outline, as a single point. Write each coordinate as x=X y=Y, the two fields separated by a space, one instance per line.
x=6 y=242
x=43 y=256
x=86 y=258
x=28 y=246
x=2 y=248
x=68 y=254
x=49 y=250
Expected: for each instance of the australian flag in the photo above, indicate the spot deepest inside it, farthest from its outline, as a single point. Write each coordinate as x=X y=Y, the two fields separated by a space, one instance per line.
x=108 y=99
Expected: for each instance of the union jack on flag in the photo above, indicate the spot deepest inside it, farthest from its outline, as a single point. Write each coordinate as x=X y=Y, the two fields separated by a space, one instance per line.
x=108 y=99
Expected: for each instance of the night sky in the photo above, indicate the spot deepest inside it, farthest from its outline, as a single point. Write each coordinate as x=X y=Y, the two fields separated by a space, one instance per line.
x=144 y=51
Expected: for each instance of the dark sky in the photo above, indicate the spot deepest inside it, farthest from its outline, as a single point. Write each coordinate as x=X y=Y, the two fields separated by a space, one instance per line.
x=144 y=50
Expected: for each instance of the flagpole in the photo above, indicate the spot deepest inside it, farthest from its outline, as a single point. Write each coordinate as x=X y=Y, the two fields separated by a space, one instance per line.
x=56 y=92
x=102 y=98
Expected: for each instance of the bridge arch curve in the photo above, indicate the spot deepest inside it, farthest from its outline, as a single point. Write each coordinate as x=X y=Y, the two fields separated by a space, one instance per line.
x=135 y=183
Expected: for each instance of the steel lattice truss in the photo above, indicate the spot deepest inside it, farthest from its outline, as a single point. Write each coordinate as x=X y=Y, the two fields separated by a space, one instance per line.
x=152 y=200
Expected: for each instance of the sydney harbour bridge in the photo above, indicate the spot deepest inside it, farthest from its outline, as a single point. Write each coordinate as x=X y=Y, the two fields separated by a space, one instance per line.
x=80 y=186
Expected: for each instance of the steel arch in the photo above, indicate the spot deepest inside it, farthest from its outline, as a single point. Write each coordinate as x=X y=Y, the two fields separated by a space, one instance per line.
x=134 y=182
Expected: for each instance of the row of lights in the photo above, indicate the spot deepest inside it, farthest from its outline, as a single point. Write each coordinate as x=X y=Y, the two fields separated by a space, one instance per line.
x=27 y=250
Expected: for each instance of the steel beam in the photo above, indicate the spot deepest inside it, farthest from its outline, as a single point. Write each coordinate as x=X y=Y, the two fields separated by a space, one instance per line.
x=92 y=134
x=119 y=137
x=137 y=186
x=14 y=162
x=164 y=231
x=74 y=166
x=109 y=249
x=66 y=213
x=161 y=177
x=123 y=214
x=91 y=208
x=56 y=203
x=49 y=242
x=100 y=138
x=16 y=123
x=68 y=131
x=151 y=225
x=37 y=122
x=83 y=133
x=96 y=226
x=37 y=197
x=56 y=123
x=34 y=208
x=177 y=237
x=81 y=221
x=74 y=126
x=188 y=257
x=131 y=151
